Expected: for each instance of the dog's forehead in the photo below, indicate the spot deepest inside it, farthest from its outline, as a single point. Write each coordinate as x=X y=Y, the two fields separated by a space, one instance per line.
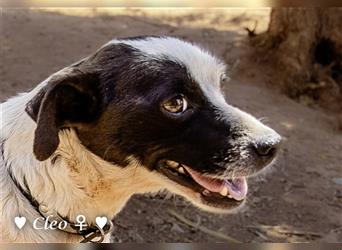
x=202 y=66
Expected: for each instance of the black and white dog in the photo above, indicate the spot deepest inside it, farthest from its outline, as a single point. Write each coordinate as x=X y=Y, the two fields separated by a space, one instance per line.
x=140 y=115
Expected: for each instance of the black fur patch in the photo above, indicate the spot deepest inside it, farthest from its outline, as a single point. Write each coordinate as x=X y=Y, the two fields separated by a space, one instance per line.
x=113 y=101
x=133 y=85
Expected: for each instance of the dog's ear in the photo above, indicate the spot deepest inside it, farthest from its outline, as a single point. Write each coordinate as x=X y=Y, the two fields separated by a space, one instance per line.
x=68 y=99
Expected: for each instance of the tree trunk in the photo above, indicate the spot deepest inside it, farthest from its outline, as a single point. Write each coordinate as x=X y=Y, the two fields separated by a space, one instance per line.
x=306 y=44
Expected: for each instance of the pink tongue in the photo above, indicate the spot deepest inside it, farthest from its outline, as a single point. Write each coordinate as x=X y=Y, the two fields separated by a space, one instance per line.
x=237 y=187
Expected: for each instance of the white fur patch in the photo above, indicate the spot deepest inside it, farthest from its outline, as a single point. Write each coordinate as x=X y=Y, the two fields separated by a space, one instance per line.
x=78 y=183
x=205 y=68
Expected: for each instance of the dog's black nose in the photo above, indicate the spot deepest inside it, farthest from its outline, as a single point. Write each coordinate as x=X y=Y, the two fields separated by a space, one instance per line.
x=267 y=150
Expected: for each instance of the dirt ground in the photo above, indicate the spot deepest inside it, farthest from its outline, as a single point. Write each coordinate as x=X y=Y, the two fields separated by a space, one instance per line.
x=298 y=199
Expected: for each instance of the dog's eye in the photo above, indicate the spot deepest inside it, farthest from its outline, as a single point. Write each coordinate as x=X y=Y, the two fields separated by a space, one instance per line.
x=176 y=105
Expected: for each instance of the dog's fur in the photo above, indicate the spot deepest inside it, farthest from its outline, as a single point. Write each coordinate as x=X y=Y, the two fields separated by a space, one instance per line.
x=88 y=137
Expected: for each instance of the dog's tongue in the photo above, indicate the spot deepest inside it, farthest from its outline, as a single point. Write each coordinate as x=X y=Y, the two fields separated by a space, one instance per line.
x=237 y=187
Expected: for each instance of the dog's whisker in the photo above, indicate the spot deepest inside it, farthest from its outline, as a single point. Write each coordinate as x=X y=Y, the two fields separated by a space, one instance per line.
x=107 y=151
x=264 y=120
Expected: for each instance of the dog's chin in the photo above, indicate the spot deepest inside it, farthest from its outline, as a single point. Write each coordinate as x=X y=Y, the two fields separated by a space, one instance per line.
x=210 y=194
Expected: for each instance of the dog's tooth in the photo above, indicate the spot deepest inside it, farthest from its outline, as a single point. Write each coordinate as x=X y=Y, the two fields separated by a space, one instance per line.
x=172 y=164
x=181 y=170
x=229 y=196
x=206 y=192
x=224 y=191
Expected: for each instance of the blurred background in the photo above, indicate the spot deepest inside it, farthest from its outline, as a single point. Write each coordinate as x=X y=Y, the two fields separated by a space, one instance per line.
x=179 y=246
x=285 y=66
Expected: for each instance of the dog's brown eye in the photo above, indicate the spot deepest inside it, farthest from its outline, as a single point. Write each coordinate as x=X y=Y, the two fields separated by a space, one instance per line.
x=176 y=105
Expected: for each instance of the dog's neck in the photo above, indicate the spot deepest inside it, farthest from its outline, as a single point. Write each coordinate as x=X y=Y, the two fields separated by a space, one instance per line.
x=73 y=181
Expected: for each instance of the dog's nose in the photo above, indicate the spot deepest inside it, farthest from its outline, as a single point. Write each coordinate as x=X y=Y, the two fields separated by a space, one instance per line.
x=267 y=149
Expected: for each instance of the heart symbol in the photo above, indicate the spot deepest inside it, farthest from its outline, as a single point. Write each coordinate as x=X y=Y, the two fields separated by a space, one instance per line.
x=101 y=221
x=20 y=222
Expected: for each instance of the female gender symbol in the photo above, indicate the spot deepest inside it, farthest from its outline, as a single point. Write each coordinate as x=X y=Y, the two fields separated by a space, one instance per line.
x=81 y=219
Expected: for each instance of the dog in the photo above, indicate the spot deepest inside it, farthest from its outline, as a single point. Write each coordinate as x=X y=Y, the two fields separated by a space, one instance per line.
x=140 y=115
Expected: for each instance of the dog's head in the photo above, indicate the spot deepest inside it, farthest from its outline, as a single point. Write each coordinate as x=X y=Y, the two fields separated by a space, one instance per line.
x=157 y=99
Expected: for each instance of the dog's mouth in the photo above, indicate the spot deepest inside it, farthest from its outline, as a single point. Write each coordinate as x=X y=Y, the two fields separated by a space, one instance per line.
x=212 y=192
